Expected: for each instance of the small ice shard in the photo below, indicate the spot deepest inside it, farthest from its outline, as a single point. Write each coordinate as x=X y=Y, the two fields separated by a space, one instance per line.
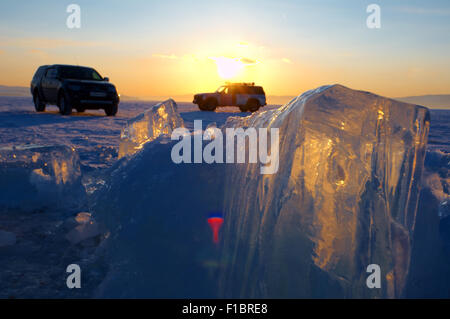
x=161 y=119
x=83 y=218
x=86 y=227
x=437 y=178
x=7 y=238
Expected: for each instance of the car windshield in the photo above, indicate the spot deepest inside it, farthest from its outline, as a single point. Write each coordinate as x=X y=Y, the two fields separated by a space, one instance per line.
x=221 y=89
x=78 y=73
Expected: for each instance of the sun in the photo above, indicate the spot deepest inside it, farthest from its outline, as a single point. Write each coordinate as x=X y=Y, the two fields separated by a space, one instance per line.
x=228 y=68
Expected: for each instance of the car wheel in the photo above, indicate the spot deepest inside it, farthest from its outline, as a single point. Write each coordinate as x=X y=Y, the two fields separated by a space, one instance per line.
x=65 y=108
x=38 y=104
x=210 y=105
x=111 y=110
x=253 y=105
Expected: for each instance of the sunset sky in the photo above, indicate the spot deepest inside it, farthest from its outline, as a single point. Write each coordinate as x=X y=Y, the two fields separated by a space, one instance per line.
x=169 y=48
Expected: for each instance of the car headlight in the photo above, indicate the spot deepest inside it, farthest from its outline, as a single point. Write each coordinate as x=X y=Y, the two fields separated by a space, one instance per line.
x=74 y=87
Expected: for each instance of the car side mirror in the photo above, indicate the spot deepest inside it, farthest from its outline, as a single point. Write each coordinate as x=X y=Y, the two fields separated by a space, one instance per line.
x=106 y=79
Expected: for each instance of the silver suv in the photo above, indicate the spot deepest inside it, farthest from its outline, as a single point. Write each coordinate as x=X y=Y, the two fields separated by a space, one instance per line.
x=247 y=96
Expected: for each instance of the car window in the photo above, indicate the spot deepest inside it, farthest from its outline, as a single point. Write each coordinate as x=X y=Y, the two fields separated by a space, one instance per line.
x=51 y=73
x=96 y=76
x=220 y=89
x=79 y=73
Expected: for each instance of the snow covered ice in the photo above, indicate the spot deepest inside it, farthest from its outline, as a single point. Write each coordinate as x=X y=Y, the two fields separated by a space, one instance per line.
x=160 y=119
x=345 y=196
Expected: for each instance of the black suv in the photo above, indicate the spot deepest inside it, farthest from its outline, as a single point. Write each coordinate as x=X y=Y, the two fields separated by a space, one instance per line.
x=70 y=86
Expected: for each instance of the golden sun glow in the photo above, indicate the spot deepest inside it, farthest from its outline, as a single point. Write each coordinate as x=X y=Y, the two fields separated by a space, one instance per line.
x=228 y=68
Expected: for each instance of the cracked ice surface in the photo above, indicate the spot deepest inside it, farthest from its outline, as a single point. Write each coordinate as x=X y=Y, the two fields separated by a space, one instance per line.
x=160 y=119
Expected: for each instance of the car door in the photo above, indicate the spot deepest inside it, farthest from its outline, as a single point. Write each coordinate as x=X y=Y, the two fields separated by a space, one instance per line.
x=50 y=85
x=225 y=97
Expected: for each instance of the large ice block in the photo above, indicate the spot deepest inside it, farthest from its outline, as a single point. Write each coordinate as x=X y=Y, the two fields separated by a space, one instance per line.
x=345 y=197
x=39 y=176
x=160 y=119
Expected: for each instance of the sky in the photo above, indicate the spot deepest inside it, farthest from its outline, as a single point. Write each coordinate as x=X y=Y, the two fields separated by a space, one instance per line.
x=169 y=48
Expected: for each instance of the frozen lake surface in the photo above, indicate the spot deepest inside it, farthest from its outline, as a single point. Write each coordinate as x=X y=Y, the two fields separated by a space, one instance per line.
x=94 y=136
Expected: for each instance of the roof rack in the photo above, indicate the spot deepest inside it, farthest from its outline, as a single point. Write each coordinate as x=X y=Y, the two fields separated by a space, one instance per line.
x=241 y=83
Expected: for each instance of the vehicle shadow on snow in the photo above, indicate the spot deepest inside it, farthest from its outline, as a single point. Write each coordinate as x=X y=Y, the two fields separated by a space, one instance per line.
x=26 y=119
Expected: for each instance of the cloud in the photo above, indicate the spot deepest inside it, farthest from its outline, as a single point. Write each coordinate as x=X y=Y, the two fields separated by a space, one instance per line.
x=248 y=61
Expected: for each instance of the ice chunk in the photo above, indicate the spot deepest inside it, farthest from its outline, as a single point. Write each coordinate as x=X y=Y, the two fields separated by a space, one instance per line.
x=437 y=178
x=160 y=119
x=37 y=176
x=86 y=227
x=7 y=238
x=344 y=197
